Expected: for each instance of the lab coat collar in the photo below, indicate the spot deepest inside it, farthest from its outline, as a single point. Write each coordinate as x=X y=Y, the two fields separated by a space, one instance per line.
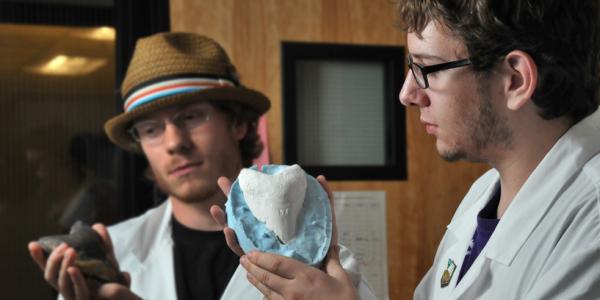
x=462 y=228
x=158 y=222
x=540 y=190
x=461 y=231
x=529 y=206
x=148 y=253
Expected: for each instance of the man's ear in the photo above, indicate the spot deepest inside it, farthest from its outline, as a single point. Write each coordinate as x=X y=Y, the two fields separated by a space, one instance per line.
x=240 y=128
x=521 y=80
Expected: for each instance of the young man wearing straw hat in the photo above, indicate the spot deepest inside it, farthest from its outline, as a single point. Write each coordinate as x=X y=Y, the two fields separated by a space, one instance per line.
x=185 y=109
x=187 y=112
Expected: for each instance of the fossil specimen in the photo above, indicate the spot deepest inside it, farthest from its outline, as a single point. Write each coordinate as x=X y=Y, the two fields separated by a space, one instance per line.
x=280 y=209
x=91 y=257
x=275 y=199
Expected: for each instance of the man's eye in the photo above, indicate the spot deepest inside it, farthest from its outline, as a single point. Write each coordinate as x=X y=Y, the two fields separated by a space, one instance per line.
x=190 y=115
x=147 y=130
x=193 y=116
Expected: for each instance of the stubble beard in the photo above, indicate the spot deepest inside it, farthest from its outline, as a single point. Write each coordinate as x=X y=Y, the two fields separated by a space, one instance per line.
x=484 y=130
x=201 y=190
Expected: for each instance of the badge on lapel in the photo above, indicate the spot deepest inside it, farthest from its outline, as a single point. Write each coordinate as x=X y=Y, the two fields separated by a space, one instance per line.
x=447 y=276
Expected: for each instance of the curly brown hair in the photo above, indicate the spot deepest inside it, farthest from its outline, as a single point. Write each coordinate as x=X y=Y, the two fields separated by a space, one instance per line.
x=561 y=36
x=250 y=145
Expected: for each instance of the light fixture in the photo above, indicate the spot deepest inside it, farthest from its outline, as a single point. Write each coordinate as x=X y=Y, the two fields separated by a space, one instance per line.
x=103 y=33
x=68 y=65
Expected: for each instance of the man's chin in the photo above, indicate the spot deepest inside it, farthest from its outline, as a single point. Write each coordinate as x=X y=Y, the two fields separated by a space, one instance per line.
x=193 y=192
x=447 y=153
x=194 y=196
x=456 y=155
x=451 y=156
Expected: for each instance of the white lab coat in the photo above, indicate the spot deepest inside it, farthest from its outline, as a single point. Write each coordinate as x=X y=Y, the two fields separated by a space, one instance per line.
x=547 y=244
x=144 y=247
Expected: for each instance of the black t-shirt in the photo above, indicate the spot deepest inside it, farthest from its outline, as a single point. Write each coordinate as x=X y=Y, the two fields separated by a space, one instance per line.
x=203 y=262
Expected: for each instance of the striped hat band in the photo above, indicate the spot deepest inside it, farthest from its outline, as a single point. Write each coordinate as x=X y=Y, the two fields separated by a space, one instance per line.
x=173 y=86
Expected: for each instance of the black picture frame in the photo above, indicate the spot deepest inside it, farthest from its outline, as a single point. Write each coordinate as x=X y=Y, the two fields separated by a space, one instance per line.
x=395 y=167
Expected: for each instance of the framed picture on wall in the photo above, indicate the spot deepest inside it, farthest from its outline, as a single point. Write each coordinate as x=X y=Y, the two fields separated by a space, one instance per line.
x=341 y=114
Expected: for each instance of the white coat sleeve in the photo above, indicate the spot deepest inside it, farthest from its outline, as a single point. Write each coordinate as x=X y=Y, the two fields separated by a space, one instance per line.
x=576 y=276
x=350 y=265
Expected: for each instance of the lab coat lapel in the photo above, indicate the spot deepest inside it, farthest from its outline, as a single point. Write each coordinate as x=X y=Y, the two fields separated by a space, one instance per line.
x=155 y=256
x=159 y=269
x=240 y=288
x=462 y=229
x=450 y=262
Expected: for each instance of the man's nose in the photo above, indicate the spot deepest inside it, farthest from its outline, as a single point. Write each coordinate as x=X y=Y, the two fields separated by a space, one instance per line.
x=411 y=93
x=176 y=139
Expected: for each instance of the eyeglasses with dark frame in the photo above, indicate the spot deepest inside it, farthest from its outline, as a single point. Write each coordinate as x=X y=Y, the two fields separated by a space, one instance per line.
x=420 y=72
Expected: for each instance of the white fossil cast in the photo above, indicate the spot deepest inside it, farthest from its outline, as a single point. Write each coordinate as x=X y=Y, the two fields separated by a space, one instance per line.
x=275 y=199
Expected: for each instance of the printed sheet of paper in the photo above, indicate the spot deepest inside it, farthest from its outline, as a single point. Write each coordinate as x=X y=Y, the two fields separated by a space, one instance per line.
x=361 y=219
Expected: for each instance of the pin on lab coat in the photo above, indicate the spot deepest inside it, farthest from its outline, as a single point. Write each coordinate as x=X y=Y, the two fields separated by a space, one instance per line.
x=547 y=244
x=144 y=247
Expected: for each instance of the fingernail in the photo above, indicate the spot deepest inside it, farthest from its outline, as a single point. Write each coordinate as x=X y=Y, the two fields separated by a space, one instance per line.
x=243 y=259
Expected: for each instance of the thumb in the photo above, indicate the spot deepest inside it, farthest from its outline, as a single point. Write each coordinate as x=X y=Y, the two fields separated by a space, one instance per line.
x=225 y=184
x=103 y=233
x=126 y=279
x=333 y=266
x=116 y=292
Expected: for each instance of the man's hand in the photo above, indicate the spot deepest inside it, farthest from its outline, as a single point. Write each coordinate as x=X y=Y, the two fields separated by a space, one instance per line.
x=82 y=288
x=62 y=274
x=279 y=277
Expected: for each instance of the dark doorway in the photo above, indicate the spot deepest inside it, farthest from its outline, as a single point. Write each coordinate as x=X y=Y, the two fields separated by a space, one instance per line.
x=61 y=63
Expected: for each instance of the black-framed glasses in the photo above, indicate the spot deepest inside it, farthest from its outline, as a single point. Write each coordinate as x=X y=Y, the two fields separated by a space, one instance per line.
x=420 y=72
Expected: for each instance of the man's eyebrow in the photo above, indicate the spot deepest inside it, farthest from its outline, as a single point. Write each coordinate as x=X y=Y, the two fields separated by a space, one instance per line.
x=426 y=56
x=143 y=120
x=202 y=104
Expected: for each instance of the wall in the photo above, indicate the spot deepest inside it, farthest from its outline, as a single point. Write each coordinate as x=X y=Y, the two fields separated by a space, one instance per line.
x=251 y=31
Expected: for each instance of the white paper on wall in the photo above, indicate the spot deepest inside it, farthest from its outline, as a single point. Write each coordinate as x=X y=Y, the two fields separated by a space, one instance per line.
x=361 y=221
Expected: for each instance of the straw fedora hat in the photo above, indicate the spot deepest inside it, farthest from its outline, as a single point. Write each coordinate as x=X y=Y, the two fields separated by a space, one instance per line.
x=175 y=68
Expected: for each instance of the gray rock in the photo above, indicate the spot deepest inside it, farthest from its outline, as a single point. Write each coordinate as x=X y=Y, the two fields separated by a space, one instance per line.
x=91 y=257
